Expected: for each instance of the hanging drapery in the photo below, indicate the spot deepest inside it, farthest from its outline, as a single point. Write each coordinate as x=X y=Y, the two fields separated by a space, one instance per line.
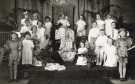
x=45 y=7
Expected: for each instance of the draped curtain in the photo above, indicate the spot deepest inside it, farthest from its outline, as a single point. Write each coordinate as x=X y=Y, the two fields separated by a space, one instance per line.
x=80 y=7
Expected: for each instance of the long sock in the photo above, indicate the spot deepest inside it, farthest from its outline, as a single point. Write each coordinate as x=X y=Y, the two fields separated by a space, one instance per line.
x=15 y=71
x=120 y=70
x=124 y=70
x=10 y=72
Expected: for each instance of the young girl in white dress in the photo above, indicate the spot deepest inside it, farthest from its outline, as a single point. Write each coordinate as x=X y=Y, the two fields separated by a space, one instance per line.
x=40 y=34
x=93 y=34
x=100 y=22
x=26 y=28
x=81 y=27
x=108 y=26
x=35 y=19
x=27 y=50
x=81 y=30
x=26 y=17
x=115 y=32
x=82 y=60
x=110 y=54
x=48 y=26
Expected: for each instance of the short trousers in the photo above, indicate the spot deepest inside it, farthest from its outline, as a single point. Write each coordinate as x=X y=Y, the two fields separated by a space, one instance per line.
x=123 y=60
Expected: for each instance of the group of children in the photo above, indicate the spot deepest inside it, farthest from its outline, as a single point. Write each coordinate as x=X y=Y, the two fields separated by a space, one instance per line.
x=32 y=37
x=108 y=44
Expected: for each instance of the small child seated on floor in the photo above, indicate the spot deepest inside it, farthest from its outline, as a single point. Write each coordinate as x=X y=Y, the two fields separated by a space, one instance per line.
x=82 y=51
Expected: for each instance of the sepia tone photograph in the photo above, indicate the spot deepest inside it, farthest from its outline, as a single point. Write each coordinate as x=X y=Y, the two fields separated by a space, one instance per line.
x=67 y=42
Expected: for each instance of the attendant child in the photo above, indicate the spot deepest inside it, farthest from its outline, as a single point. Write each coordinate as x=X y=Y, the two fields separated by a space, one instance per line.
x=27 y=50
x=48 y=25
x=81 y=27
x=26 y=17
x=26 y=28
x=108 y=25
x=110 y=58
x=82 y=51
x=123 y=43
x=115 y=34
x=35 y=19
x=81 y=30
x=40 y=34
x=100 y=44
x=67 y=21
x=93 y=34
x=34 y=35
x=100 y=22
x=14 y=55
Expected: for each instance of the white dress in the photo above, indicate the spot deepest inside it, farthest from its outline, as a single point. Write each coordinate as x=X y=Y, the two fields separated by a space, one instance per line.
x=34 y=22
x=111 y=57
x=115 y=34
x=48 y=26
x=101 y=41
x=23 y=21
x=82 y=60
x=25 y=29
x=41 y=36
x=27 y=53
x=81 y=31
x=108 y=27
x=100 y=24
x=93 y=33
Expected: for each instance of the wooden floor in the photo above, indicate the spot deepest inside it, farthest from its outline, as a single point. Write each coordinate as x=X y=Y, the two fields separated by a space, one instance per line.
x=131 y=66
x=4 y=78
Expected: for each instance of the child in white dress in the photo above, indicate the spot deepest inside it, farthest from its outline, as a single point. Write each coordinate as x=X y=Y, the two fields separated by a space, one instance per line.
x=81 y=27
x=26 y=17
x=26 y=28
x=100 y=44
x=115 y=32
x=35 y=19
x=110 y=54
x=27 y=51
x=100 y=22
x=40 y=34
x=80 y=30
x=82 y=60
x=48 y=26
x=108 y=26
x=93 y=34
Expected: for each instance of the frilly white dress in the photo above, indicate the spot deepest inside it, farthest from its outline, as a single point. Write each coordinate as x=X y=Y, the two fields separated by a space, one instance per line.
x=27 y=51
x=111 y=56
x=82 y=60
